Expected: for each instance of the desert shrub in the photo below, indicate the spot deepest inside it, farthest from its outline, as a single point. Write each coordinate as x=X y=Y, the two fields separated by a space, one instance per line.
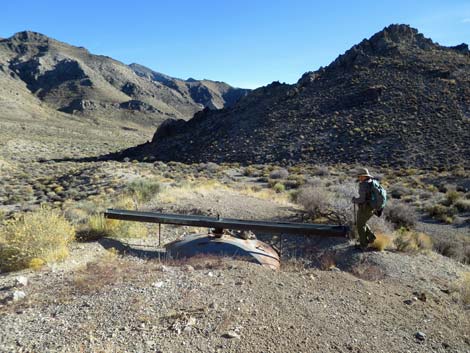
x=144 y=189
x=321 y=170
x=408 y=241
x=452 y=196
x=279 y=187
x=381 y=242
x=398 y=191
x=211 y=167
x=251 y=172
x=462 y=205
x=340 y=204
x=296 y=180
x=41 y=236
x=400 y=214
x=291 y=184
x=380 y=225
x=95 y=226
x=99 y=227
x=314 y=200
x=280 y=173
x=441 y=213
x=453 y=247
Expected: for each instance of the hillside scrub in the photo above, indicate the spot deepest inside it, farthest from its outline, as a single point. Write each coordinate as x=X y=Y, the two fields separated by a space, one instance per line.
x=97 y=226
x=457 y=248
x=35 y=238
x=335 y=205
x=400 y=214
x=411 y=241
x=143 y=190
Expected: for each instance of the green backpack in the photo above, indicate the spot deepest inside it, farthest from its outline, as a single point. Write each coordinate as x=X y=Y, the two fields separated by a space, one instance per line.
x=378 y=196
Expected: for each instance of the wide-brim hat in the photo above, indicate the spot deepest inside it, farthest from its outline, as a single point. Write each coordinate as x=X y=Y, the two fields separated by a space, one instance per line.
x=363 y=172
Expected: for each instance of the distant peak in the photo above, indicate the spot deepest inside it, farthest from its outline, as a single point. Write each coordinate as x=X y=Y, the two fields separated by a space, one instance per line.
x=393 y=40
x=401 y=34
x=30 y=36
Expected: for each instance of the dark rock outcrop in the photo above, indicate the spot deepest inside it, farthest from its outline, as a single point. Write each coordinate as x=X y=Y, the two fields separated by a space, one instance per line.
x=395 y=99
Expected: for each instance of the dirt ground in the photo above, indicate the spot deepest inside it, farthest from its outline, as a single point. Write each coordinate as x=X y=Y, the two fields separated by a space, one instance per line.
x=327 y=297
x=336 y=300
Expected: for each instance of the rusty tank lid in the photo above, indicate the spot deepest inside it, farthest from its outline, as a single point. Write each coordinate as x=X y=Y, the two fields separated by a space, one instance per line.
x=225 y=245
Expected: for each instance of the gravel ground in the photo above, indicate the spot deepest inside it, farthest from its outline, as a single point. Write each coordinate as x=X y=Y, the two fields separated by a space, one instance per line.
x=126 y=304
x=327 y=297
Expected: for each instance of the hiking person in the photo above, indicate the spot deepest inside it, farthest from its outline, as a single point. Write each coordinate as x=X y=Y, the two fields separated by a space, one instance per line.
x=371 y=200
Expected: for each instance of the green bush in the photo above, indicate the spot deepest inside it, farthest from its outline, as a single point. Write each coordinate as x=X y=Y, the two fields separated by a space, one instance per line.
x=144 y=190
x=452 y=196
x=279 y=187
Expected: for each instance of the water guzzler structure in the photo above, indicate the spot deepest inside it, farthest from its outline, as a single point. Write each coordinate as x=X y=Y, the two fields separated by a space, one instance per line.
x=227 y=236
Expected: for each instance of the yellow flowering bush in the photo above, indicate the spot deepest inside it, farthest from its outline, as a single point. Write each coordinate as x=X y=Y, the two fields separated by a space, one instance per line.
x=34 y=238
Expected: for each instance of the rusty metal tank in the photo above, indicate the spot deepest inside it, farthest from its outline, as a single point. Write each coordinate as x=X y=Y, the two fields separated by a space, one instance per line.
x=225 y=245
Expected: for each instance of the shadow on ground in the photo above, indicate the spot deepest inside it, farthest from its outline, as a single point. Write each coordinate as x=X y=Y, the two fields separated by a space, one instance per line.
x=131 y=250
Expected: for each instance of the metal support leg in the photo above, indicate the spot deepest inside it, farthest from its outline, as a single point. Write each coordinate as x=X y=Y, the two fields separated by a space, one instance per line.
x=159 y=234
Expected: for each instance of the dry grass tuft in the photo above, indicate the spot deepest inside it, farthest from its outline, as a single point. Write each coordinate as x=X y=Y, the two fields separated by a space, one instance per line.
x=381 y=242
x=35 y=238
x=187 y=189
x=98 y=227
x=410 y=241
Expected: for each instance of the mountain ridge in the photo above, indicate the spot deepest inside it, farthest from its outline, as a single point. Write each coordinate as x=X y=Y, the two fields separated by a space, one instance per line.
x=396 y=99
x=70 y=79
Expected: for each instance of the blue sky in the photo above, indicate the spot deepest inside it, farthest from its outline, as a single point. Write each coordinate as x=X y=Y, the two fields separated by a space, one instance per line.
x=247 y=43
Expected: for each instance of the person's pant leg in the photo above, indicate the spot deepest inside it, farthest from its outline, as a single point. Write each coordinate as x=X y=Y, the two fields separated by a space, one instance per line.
x=366 y=236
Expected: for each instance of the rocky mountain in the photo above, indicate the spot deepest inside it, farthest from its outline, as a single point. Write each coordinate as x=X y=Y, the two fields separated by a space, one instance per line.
x=40 y=73
x=396 y=99
x=206 y=93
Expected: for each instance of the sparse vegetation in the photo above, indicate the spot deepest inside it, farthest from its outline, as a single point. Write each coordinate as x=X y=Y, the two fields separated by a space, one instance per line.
x=279 y=187
x=400 y=214
x=410 y=241
x=455 y=247
x=280 y=173
x=37 y=237
x=381 y=242
x=464 y=289
x=316 y=201
x=441 y=213
x=143 y=190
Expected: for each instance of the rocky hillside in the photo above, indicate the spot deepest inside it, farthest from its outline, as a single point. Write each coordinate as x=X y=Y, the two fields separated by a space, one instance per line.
x=38 y=74
x=396 y=98
x=210 y=94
